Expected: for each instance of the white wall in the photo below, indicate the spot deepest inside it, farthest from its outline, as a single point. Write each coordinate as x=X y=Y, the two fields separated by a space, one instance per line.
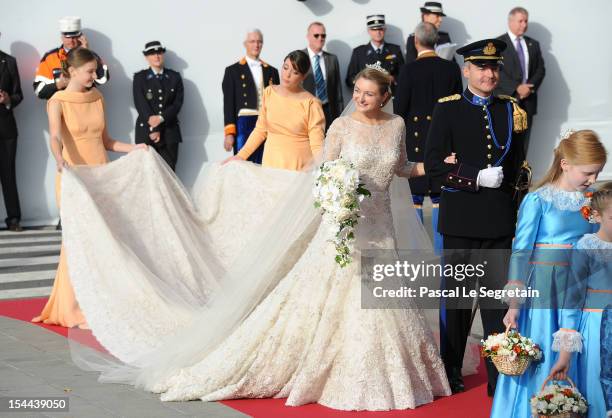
x=203 y=37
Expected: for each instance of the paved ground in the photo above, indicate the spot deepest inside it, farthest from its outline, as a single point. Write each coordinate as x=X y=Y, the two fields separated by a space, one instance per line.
x=36 y=362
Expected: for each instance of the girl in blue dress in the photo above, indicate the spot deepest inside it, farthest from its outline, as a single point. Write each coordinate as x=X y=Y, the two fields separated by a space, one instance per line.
x=549 y=223
x=589 y=293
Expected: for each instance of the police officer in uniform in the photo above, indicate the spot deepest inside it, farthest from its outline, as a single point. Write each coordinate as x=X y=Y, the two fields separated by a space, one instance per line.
x=158 y=97
x=431 y=12
x=421 y=83
x=389 y=56
x=243 y=84
x=477 y=207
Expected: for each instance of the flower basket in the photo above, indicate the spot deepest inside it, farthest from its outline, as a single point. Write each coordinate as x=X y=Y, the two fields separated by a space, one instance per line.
x=559 y=401
x=510 y=352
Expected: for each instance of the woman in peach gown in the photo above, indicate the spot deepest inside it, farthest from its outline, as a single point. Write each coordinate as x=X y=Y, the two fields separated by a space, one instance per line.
x=291 y=120
x=78 y=136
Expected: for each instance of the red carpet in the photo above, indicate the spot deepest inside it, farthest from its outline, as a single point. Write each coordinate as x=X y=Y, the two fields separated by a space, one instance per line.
x=473 y=403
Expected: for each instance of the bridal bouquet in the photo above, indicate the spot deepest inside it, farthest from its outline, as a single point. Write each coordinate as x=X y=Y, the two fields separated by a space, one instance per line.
x=337 y=192
x=510 y=352
x=560 y=401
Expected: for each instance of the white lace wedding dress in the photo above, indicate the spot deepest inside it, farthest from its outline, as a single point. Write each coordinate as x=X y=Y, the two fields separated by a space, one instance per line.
x=306 y=339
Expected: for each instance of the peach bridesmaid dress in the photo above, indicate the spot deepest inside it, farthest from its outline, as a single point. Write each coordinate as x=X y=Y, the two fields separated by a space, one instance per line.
x=293 y=129
x=81 y=135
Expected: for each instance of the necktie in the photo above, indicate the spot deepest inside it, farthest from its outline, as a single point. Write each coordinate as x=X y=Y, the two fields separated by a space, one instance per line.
x=319 y=80
x=379 y=51
x=521 y=56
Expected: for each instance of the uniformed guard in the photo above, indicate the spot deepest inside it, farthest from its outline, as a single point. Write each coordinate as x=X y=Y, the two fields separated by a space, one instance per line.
x=243 y=84
x=49 y=78
x=388 y=55
x=477 y=210
x=158 y=97
x=431 y=12
x=421 y=83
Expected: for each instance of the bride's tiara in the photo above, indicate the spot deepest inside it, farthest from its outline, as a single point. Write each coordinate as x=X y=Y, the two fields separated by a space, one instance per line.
x=376 y=66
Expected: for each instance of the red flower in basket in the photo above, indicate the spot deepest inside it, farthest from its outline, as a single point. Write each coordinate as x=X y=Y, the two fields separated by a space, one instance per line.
x=568 y=392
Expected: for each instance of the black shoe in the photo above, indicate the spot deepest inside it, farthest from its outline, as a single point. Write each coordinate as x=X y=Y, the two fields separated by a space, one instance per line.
x=455 y=380
x=59 y=226
x=15 y=227
x=456 y=385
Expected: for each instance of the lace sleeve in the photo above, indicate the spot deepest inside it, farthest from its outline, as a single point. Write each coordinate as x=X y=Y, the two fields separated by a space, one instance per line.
x=404 y=167
x=333 y=141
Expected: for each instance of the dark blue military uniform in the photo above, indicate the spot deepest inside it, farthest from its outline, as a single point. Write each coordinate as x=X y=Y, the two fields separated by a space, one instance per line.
x=240 y=92
x=421 y=83
x=482 y=132
x=390 y=58
x=159 y=95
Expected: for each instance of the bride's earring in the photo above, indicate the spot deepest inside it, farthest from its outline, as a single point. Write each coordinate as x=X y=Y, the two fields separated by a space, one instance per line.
x=382 y=105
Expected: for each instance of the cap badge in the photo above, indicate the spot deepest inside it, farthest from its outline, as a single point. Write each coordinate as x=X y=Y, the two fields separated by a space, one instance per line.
x=489 y=49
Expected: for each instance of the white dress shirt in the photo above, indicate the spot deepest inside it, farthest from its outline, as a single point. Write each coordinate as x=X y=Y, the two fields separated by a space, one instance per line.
x=525 y=52
x=256 y=71
x=381 y=47
x=312 y=54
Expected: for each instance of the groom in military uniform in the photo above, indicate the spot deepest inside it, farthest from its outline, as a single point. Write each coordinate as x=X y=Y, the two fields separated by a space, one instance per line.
x=388 y=55
x=477 y=203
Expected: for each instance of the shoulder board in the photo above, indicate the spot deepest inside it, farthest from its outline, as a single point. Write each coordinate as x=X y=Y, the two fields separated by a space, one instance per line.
x=506 y=97
x=52 y=51
x=242 y=61
x=449 y=98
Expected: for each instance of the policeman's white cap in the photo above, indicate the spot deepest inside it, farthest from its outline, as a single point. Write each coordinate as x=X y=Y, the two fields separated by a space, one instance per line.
x=70 y=26
x=375 y=21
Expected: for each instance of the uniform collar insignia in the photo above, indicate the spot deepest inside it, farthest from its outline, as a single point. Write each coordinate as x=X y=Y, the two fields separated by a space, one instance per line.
x=475 y=99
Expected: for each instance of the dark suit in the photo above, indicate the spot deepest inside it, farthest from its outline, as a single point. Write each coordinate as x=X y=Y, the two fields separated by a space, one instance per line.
x=472 y=218
x=511 y=76
x=159 y=95
x=10 y=83
x=411 y=52
x=335 y=102
x=240 y=92
x=391 y=59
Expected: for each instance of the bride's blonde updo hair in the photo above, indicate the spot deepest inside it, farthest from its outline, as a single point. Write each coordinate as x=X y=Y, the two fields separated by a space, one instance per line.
x=382 y=79
x=76 y=58
x=577 y=148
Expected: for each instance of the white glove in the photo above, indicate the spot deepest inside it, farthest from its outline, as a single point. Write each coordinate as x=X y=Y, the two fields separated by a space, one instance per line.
x=490 y=177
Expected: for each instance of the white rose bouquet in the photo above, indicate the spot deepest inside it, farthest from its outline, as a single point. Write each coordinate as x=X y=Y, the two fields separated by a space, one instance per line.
x=337 y=192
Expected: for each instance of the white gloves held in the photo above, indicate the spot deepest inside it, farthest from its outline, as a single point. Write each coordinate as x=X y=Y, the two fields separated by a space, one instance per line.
x=490 y=177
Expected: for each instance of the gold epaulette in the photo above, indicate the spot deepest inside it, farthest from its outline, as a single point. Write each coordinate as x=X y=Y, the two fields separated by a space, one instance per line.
x=506 y=97
x=449 y=98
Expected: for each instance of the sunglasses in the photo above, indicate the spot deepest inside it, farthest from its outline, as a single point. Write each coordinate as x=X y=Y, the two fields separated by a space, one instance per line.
x=321 y=35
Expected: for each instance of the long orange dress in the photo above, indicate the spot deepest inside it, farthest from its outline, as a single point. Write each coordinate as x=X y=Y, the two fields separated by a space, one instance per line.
x=81 y=136
x=293 y=129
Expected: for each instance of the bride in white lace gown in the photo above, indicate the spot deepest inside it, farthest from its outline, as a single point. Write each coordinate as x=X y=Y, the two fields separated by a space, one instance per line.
x=307 y=339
